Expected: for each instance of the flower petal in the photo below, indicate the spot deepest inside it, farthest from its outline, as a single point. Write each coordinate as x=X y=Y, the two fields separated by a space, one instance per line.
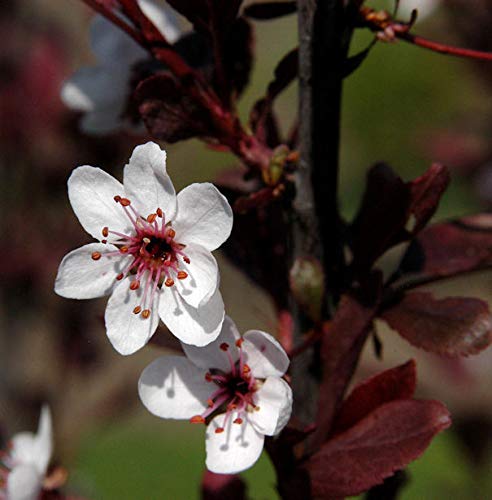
x=204 y=216
x=162 y=17
x=173 y=387
x=91 y=192
x=146 y=181
x=81 y=277
x=196 y=326
x=264 y=355
x=24 y=483
x=211 y=355
x=274 y=400
x=235 y=449
x=203 y=276
x=129 y=332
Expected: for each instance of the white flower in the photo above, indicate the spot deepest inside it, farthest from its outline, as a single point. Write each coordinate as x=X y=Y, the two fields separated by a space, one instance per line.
x=235 y=383
x=425 y=8
x=102 y=91
x=26 y=462
x=154 y=256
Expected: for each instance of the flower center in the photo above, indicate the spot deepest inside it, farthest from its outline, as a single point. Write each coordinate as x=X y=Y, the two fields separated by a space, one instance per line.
x=234 y=393
x=156 y=255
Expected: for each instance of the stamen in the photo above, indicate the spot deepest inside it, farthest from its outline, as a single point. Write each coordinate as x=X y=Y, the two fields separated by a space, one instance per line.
x=105 y=231
x=135 y=285
x=182 y=275
x=119 y=277
x=208 y=377
x=239 y=343
x=197 y=419
x=171 y=233
x=246 y=370
x=104 y=241
x=219 y=430
x=169 y=282
x=145 y=313
x=124 y=249
x=137 y=310
x=125 y=202
x=96 y=255
x=186 y=260
x=117 y=198
x=210 y=402
x=238 y=420
x=151 y=218
x=159 y=212
x=224 y=346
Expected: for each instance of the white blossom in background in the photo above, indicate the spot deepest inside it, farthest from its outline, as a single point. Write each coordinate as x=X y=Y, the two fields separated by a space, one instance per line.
x=154 y=253
x=234 y=383
x=102 y=91
x=25 y=463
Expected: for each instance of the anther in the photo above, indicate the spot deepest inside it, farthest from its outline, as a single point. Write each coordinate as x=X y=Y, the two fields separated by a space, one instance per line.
x=186 y=260
x=239 y=343
x=182 y=275
x=169 y=282
x=210 y=402
x=104 y=241
x=246 y=370
x=219 y=430
x=124 y=249
x=159 y=212
x=145 y=313
x=137 y=310
x=208 y=377
x=117 y=198
x=119 y=277
x=224 y=346
x=134 y=285
x=197 y=419
x=151 y=218
x=105 y=231
x=231 y=406
x=125 y=202
x=96 y=255
x=238 y=420
x=171 y=233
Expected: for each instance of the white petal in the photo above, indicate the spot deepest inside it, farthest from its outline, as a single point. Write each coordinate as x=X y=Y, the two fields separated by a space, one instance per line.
x=129 y=332
x=274 y=400
x=235 y=449
x=204 y=216
x=112 y=46
x=91 y=192
x=203 y=276
x=35 y=449
x=162 y=17
x=211 y=355
x=173 y=387
x=82 y=277
x=24 y=483
x=196 y=326
x=146 y=181
x=264 y=355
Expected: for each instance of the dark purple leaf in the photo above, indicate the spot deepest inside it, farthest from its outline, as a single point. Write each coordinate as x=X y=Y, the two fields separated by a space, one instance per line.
x=222 y=487
x=383 y=442
x=270 y=10
x=390 y=385
x=454 y=326
x=393 y=211
x=451 y=248
x=341 y=348
x=167 y=111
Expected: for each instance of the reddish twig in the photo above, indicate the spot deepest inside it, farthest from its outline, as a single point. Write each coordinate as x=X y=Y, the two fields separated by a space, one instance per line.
x=444 y=49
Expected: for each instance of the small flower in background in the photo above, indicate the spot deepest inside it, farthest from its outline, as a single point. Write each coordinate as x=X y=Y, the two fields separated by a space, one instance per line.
x=25 y=463
x=154 y=256
x=102 y=91
x=234 y=383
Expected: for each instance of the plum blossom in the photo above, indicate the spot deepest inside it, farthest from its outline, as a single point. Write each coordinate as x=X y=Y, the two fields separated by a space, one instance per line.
x=24 y=465
x=234 y=384
x=102 y=91
x=154 y=252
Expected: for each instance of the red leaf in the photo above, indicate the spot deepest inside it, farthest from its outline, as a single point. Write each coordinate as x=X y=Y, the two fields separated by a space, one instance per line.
x=390 y=385
x=383 y=442
x=341 y=348
x=270 y=10
x=393 y=211
x=454 y=326
x=451 y=248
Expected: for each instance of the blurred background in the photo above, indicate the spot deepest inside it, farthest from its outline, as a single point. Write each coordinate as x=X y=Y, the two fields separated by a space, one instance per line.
x=405 y=105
